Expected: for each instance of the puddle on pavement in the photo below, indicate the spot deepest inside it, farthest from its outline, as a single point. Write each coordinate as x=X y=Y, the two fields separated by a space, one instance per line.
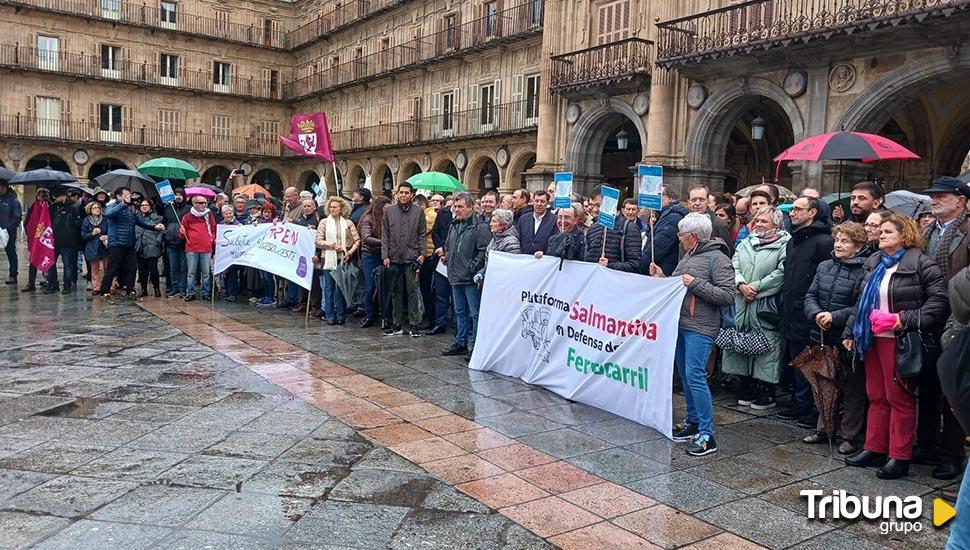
x=184 y=377
x=82 y=407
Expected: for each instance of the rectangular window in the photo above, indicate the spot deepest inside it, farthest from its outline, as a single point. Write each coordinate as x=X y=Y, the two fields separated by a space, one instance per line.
x=269 y=31
x=268 y=130
x=532 y=99
x=486 y=105
x=111 y=9
x=169 y=121
x=612 y=21
x=360 y=66
x=491 y=18
x=536 y=12
x=385 y=53
x=168 y=14
x=272 y=78
x=110 y=122
x=221 y=76
x=168 y=69
x=48 y=117
x=48 y=52
x=451 y=32
x=220 y=126
x=222 y=22
x=448 y=108
x=111 y=63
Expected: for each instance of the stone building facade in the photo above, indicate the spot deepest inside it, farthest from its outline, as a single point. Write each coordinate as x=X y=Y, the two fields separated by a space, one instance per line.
x=501 y=93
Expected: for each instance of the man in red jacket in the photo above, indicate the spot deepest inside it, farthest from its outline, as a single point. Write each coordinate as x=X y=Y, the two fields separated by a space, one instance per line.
x=199 y=232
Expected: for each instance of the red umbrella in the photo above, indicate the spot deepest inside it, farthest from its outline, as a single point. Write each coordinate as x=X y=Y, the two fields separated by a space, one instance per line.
x=840 y=146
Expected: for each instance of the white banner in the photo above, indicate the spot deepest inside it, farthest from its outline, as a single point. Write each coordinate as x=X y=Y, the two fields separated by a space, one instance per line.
x=283 y=249
x=591 y=334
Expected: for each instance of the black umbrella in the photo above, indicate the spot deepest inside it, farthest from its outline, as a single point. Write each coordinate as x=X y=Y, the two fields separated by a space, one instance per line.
x=121 y=178
x=965 y=177
x=6 y=174
x=42 y=177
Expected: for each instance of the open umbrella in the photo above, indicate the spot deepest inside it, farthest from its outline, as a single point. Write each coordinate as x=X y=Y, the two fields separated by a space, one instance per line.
x=835 y=199
x=199 y=191
x=436 y=181
x=6 y=174
x=906 y=202
x=122 y=178
x=168 y=168
x=784 y=194
x=42 y=177
x=214 y=188
x=345 y=275
x=965 y=177
x=821 y=367
x=251 y=190
x=842 y=146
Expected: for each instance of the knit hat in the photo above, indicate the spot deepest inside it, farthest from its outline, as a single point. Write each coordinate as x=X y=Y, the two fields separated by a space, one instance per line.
x=253 y=203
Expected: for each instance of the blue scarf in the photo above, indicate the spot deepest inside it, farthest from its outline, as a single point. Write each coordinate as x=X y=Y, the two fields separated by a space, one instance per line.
x=862 y=330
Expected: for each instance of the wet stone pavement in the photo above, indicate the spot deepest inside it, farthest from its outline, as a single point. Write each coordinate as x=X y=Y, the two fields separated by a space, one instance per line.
x=163 y=424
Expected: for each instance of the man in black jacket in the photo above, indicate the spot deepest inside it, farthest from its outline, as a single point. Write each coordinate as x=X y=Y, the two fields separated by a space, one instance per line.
x=177 y=276
x=666 y=245
x=535 y=229
x=621 y=250
x=464 y=254
x=810 y=245
x=66 y=224
x=440 y=284
x=11 y=212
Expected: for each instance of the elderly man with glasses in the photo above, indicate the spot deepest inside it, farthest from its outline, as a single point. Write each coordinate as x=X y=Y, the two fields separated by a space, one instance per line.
x=199 y=232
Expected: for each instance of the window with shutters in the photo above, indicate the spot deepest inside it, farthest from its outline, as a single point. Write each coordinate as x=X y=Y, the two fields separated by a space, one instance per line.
x=221 y=125
x=270 y=28
x=109 y=118
x=48 y=113
x=451 y=31
x=486 y=106
x=111 y=63
x=268 y=130
x=384 y=119
x=535 y=12
x=334 y=69
x=271 y=83
x=48 y=52
x=168 y=69
x=222 y=22
x=750 y=19
x=221 y=76
x=532 y=99
x=169 y=121
x=412 y=50
x=111 y=9
x=357 y=132
x=359 y=64
x=449 y=106
x=612 y=21
x=411 y=132
x=168 y=14
x=385 y=57
x=490 y=17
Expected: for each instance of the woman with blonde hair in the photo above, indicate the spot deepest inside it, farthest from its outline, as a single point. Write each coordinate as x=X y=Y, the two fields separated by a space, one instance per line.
x=338 y=240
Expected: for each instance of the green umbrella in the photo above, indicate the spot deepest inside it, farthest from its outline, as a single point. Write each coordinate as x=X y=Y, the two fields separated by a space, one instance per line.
x=436 y=181
x=169 y=168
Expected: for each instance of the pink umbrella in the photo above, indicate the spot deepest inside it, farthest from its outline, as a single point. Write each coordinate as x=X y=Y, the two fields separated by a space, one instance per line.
x=200 y=191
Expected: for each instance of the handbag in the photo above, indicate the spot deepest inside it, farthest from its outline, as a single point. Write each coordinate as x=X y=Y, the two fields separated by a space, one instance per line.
x=914 y=348
x=745 y=342
x=768 y=310
x=4 y=237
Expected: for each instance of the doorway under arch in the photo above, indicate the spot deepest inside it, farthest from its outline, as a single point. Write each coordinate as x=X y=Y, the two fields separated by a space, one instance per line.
x=47 y=160
x=604 y=144
x=307 y=179
x=216 y=175
x=104 y=166
x=409 y=169
x=271 y=180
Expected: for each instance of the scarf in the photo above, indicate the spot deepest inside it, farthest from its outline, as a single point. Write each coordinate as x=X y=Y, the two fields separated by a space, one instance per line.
x=766 y=238
x=333 y=233
x=943 y=247
x=203 y=214
x=862 y=330
x=96 y=221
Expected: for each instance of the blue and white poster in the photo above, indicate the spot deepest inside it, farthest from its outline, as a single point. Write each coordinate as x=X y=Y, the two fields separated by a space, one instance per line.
x=564 y=189
x=611 y=199
x=650 y=180
x=165 y=191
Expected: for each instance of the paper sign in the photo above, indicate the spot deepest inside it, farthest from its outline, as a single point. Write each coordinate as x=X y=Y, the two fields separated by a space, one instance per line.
x=442 y=270
x=611 y=199
x=564 y=189
x=316 y=189
x=650 y=180
x=165 y=191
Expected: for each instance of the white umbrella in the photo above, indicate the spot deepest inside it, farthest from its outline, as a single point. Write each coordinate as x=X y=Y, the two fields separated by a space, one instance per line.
x=906 y=202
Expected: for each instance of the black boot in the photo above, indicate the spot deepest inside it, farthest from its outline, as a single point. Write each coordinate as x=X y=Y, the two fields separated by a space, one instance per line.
x=866 y=458
x=894 y=469
x=749 y=393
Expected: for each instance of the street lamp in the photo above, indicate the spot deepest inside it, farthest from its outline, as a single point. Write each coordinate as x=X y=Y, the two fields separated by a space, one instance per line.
x=758 y=126
x=489 y=181
x=388 y=184
x=622 y=140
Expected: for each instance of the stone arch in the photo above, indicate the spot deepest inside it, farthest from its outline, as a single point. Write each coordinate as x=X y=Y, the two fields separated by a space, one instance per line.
x=709 y=133
x=892 y=91
x=355 y=177
x=270 y=179
x=103 y=165
x=408 y=168
x=472 y=179
x=381 y=171
x=519 y=163
x=43 y=160
x=441 y=164
x=584 y=146
x=306 y=179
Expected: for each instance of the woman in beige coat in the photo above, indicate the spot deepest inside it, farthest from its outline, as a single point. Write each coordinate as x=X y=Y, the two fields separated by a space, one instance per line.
x=338 y=241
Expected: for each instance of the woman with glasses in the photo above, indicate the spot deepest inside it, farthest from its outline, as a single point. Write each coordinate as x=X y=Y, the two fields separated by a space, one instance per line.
x=148 y=246
x=337 y=237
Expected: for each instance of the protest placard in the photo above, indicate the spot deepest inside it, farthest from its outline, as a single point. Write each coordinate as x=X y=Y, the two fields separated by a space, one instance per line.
x=283 y=249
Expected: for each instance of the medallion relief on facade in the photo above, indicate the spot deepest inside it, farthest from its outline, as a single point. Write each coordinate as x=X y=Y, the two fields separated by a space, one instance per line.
x=842 y=77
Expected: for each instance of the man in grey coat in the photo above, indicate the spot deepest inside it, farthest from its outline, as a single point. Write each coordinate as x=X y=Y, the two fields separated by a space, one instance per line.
x=707 y=273
x=403 y=248
x=464 y=255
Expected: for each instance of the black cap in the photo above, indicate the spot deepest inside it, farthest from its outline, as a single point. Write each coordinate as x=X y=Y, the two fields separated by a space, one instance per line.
x=364 y=192
x=253 y=203
x=949 y=184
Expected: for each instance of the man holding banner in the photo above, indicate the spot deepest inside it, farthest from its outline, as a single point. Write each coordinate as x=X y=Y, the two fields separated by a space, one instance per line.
x=612 y=242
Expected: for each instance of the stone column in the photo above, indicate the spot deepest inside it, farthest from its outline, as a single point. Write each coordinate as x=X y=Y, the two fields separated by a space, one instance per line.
x=547 y=154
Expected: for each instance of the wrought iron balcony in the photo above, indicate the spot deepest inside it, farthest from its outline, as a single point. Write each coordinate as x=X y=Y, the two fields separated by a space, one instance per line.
x=150 y=15
x=338 y=18
x=758 y=25
x=91 y=133
x=503 y=27
x=15 y=56
x=488 y=121
x=617 y=65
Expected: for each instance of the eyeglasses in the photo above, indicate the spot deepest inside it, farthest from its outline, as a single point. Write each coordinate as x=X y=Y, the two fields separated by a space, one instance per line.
x=198 y=202
x=799 y=209
x=871 y=226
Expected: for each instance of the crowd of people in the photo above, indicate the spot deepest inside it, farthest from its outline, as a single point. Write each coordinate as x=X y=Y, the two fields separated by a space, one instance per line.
x=764 y=284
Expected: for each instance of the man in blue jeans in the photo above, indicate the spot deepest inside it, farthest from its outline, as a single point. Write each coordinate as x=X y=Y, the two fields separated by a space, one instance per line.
x=707 y=273
x=11 y=212
x=66 y=224
x=464 y=254
x=174 y=246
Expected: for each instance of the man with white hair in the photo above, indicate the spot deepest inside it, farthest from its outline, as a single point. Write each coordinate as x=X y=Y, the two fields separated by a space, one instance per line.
x=706 y=271
x=292 y=208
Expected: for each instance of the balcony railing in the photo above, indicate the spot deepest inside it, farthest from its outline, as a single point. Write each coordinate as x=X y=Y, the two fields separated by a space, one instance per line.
x=604 y=65
x=506 y=118
x=766 y=24
x=96 y=66
x=502 y=27
x=64 y=131
x=150 y=15
x=340 y=17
